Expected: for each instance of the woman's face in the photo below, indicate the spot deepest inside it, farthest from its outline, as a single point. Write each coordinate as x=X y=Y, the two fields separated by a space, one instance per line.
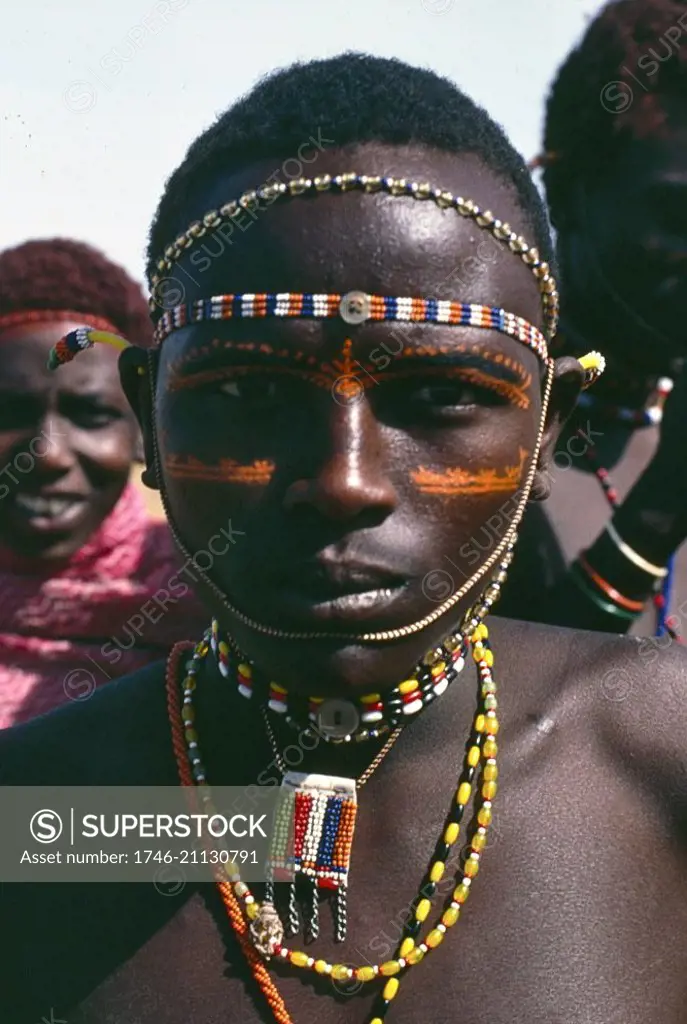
x=354 y=467
x=67 y=440
x=634 y=220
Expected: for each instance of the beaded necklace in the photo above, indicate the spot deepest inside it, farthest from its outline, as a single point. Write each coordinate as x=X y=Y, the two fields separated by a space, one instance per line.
x=323 y=810
x=373 y=714
x=262 y=921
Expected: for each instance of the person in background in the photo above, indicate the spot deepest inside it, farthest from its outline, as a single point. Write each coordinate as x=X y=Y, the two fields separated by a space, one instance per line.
x=615 y=172
x=89 y=585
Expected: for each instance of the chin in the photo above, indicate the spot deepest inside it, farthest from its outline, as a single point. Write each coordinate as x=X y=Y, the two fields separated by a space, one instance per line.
x=340 y=667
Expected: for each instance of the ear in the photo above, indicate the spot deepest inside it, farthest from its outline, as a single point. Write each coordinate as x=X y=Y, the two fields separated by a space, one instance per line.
x=568 y=378
x=135 y=368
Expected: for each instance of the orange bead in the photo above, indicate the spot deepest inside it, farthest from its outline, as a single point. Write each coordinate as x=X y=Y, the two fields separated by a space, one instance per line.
x=484 y=816
x=461 y=893
x=471 y=867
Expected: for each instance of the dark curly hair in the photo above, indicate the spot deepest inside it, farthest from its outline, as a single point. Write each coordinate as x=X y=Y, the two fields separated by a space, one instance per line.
x=619 y=83
x=353 y=98
x=58 y=273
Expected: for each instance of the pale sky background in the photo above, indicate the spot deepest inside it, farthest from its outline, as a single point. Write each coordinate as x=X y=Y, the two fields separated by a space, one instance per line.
x=99 y=101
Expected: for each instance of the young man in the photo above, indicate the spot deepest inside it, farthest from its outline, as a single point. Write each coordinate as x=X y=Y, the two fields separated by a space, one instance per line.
x=614 y=170
x=354 y=443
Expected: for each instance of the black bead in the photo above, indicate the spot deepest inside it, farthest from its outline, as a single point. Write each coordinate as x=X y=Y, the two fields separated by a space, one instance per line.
x=428 y=890
x=413 y=929
x=442 y=851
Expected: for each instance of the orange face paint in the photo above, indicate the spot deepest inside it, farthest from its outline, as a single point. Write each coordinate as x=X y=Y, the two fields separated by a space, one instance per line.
x=478 y=365
x=449 y=483
x=187 y=467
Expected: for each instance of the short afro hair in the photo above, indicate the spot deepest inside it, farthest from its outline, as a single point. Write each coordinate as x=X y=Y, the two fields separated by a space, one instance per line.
x=59 y=273
x=353 y=98
x=628 y=61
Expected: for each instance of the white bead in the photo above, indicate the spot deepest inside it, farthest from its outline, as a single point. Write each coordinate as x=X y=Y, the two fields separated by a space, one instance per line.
x=277 y=706
x=440 y=687
x=372 y=716
x=245 y=691
x=413 y=707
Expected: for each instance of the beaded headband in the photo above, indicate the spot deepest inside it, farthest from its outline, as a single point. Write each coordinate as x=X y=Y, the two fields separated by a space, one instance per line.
x=340 y=183
x=352 y=308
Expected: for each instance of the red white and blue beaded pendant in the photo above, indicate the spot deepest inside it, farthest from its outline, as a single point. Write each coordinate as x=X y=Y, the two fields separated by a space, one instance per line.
x=313 y=838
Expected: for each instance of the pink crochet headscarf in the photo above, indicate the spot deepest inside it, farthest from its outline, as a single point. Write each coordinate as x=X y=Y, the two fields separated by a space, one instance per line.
x=119 y=603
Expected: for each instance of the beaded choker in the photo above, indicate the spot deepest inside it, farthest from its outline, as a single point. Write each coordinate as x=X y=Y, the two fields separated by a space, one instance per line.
x=341 y=721
x=373 y=714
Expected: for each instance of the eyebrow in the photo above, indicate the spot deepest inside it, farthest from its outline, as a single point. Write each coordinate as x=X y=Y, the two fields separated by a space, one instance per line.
x=207 y=358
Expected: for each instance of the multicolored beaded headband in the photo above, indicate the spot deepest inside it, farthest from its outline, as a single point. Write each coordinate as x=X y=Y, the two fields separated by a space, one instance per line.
x=340 y=183
x=353 y=308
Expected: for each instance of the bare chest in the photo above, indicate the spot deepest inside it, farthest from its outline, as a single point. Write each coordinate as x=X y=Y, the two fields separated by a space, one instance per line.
x=578 y=916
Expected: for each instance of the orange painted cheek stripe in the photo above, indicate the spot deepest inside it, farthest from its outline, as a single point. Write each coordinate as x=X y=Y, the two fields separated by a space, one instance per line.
x=455 y=481
x=187 y=467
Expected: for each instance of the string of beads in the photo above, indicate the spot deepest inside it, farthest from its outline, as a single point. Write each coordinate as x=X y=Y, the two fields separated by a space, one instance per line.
x=339 y=184
x=481 y=752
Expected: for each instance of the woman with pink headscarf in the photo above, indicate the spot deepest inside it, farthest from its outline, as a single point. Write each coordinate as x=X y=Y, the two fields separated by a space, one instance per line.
x=91 y=587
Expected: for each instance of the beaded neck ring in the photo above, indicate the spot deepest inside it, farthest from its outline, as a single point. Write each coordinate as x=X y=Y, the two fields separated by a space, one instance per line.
x=372 y=715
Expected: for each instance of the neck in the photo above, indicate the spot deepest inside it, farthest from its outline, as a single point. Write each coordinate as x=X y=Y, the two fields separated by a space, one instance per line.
x=232 y=730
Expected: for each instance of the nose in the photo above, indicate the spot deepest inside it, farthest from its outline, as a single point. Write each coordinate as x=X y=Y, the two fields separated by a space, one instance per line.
x=351 y=482
x=52 y=448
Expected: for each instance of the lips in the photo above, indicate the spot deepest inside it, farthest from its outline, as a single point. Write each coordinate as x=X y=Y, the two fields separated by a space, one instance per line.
x=47 y=511
x=327 y=589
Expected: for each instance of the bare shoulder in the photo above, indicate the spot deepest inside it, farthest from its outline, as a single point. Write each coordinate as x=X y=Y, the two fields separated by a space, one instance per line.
x=628 y=694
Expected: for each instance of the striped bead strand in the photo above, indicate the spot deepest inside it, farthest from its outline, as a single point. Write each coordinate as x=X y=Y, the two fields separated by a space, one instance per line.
x=410 y=954
x=340 y=183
